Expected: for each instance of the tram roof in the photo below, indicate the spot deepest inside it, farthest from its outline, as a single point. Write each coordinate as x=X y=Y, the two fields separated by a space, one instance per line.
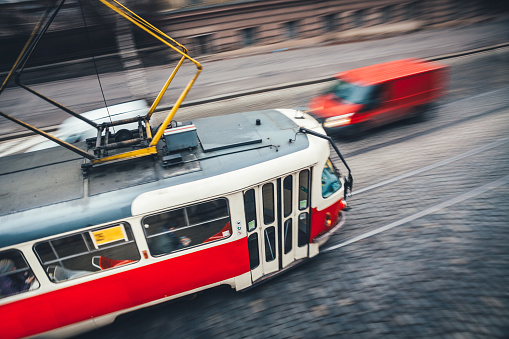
x=45 y=193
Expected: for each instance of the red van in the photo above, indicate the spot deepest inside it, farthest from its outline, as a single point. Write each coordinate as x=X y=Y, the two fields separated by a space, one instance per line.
x=375 y=95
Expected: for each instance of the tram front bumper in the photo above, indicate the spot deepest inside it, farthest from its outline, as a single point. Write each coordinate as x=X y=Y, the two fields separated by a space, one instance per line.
x=321 y=239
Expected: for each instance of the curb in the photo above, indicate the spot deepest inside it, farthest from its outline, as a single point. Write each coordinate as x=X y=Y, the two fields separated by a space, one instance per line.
x=266 y=89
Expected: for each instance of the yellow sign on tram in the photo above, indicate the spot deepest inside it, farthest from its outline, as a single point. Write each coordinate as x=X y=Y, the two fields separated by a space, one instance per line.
x=107 y=235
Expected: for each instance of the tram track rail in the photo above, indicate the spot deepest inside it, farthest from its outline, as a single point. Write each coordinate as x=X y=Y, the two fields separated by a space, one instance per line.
x=430 y=210
x=267 y=89
x=434 y=165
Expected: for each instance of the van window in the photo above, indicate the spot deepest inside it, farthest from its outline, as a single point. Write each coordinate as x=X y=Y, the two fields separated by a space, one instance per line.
x=15 y=274
x=87 y=252
x=330 y=180
x=362 y=95
x=189 y=226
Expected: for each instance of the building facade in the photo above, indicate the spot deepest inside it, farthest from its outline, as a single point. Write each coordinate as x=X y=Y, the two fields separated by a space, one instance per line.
x=214 y=26
x=218 y=26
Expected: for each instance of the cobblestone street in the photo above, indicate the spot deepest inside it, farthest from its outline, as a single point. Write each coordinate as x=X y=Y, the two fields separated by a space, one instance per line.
x=437 y=268
x=424 y=251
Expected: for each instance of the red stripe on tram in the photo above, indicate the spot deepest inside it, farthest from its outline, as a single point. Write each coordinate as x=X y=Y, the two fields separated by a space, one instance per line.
x=124 y=290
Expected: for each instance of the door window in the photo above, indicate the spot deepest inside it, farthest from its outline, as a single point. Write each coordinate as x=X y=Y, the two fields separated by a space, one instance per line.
x=288 y=235
x=250 y=209
x=303 y=189
x=268 y=203
x=254 y=254
x=287 y=195
x=270 y=243
x=303 y=237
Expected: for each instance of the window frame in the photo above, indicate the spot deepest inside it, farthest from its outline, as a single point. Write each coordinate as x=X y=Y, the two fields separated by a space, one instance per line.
x=188 y=226
x=90 y=249
x=16 y=252
x=332 y=170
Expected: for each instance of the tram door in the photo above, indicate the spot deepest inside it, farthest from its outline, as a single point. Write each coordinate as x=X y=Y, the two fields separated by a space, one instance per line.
x=277 y=219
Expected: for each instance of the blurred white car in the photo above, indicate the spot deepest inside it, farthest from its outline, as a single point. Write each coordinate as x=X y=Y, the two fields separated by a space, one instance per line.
x=74 y=130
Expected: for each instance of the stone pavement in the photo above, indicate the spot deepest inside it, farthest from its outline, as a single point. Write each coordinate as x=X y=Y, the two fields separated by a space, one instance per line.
x=443 y=273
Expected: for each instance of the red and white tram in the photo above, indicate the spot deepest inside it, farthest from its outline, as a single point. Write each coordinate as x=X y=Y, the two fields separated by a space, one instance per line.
x=229 y=200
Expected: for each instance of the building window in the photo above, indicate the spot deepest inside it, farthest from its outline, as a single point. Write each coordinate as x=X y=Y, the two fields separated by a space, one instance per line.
x=329 y=22
x=186 y=227
x=249 y=36
x=386 y=15
x=291 y=29
x=413 y=10
x=87 y=252
x=202 y=44
x=359 y=18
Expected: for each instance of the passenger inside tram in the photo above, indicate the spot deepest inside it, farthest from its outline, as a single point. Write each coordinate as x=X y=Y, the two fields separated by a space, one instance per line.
x=12 y=282
x=168 y=242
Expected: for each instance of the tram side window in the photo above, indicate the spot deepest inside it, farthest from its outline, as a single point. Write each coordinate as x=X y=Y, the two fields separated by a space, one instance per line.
x=87 y=252
x=330 y=180
x=250 y=209
x=189 y=226
x=15 y=274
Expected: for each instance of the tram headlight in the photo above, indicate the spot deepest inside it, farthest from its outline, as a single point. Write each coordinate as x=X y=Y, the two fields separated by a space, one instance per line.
x=328 y=220
x=340 y=120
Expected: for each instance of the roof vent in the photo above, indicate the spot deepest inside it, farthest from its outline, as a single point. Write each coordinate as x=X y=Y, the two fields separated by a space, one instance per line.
x=179 y=138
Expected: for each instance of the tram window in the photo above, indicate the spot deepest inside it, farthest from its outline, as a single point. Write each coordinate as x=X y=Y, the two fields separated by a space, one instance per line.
x=288 y=235
x=250 y=209
x=207 y=211
x=270 y=243
x=189 y=226
x=303 y=189
x=330 y=180
x=268 y=203
x=88 y=252
x=15 y=274
x=69 y=245
x=287 y=195
x=254 y=253
x=303 y=236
